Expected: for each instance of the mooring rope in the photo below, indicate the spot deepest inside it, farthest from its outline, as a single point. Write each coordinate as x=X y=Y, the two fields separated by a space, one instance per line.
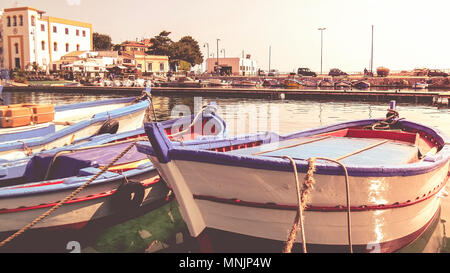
x=69 y=197
x=301 y=201
x=302 y=196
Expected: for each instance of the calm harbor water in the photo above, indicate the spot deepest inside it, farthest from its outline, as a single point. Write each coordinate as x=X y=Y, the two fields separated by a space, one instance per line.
x=285 y=116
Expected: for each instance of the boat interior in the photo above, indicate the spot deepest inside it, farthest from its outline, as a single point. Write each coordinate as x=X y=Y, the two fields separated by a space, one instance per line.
x=353 y=145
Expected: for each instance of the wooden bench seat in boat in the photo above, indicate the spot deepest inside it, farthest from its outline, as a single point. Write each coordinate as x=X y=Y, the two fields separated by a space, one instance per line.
x=388 y=152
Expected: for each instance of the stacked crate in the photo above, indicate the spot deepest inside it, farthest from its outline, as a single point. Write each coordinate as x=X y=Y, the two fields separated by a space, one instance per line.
x=16 y=115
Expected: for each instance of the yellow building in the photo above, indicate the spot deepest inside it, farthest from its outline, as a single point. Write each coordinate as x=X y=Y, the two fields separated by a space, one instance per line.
x=151 y=63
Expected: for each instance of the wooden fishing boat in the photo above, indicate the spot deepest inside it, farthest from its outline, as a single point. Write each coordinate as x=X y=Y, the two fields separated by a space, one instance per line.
x=420 y=85
x=325 y=83
x=245 y=185
x=292 y=83
x=73 y=123
x=361 y=85
x=343 y=84
x=31 y=188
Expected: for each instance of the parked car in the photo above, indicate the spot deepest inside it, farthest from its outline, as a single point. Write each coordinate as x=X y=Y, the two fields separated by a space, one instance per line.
x=436 y=73
x=273 y=72
x=303 y=71
x=336 y=72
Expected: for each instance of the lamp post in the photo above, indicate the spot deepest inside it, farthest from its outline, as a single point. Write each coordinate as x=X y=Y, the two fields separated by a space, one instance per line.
x=217 y=53
x=207 y=55
x=321 y=47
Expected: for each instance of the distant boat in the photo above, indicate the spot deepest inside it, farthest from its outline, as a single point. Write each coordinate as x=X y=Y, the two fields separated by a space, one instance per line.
x=67 y=124
x=218 y=82
x=325 y=83
x=420 y=85
x=292 y=83
x=384 y=196
x=361 y=85
x=343 y=84
x=244 y=83
x=271 y=83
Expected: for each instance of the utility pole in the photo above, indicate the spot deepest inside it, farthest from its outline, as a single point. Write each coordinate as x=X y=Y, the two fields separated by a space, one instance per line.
x=371 y=55
x=270 y=53
x=321 y=47
x=217 y=54
x=207 y=56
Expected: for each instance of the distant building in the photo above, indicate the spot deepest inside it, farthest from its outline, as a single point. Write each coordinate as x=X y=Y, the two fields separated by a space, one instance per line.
x=2 y=65
x=92 y=63
x=233 y=66
x=31 y=38
x=133 y=46
x=152 y=64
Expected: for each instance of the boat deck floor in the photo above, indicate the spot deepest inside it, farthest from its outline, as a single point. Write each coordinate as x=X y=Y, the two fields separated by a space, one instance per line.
x=379 y=151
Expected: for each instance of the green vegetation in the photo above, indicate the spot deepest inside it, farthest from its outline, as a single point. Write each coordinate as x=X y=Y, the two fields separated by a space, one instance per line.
x=101 y=41
x=186 y=49
x=137 y=235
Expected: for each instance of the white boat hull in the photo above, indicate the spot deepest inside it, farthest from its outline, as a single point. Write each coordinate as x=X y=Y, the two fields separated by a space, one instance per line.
x=384 y=209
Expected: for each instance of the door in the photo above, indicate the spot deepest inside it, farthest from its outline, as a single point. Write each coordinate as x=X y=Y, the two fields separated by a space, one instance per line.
x=17 y=63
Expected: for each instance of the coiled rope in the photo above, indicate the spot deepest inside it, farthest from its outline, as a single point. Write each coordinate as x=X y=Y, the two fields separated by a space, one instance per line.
x=69 y=197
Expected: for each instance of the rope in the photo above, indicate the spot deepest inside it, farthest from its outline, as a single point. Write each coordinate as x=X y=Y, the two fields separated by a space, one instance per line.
x=26 y=148
x=69 y=197
x=302 y=196
x=301 y=201
x=391 y=119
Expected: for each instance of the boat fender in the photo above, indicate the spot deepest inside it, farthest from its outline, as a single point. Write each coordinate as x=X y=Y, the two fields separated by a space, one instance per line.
x=110 y=126
x=128 y=196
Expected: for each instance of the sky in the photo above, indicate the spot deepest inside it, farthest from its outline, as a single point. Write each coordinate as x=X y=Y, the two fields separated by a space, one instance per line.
x=407 y=33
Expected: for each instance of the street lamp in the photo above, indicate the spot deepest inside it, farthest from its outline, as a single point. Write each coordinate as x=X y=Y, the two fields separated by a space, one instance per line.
x=207 y=55
x=217 y=53
x=321 y=47
x=223 y=50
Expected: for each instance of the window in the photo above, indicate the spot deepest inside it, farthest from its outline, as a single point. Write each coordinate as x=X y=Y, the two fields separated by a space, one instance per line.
x=16 y=46
x=20 y=20
x=67 y=31
x=67 y=47
x=33 y=21
x=14 y=21
x=78 y=32
x=55 y=46
x=8 y=21
x=54 y=29
x=150 y=68
x=78 y=47
x=161 y=67
x=42 y=27
x=43 y=45
x=84 y=33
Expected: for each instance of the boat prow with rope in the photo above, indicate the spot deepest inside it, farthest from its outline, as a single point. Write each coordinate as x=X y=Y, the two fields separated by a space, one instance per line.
x=79 y=184
x=363 y=186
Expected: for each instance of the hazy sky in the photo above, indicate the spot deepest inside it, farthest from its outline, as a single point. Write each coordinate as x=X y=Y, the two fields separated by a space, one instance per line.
x=407 y=33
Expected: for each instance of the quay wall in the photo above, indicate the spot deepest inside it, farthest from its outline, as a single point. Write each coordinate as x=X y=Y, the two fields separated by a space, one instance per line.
x=422 y=97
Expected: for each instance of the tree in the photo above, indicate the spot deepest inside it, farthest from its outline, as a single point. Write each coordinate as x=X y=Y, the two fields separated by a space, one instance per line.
x=160 y=44
x=187 y=49
x=101 y=41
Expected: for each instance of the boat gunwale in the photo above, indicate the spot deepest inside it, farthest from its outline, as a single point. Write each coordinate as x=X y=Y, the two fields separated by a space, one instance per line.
x=165 y=152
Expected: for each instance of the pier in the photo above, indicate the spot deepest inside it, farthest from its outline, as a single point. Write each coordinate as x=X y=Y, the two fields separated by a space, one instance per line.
x=439 y=98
